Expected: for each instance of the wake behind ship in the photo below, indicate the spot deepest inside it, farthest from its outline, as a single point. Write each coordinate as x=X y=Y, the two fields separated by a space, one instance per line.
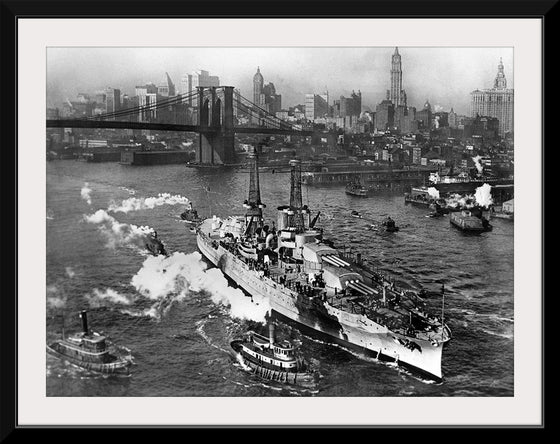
x=324 y=291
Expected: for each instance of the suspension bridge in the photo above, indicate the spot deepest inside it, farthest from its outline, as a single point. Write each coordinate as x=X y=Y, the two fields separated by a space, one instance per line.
x=215 y=113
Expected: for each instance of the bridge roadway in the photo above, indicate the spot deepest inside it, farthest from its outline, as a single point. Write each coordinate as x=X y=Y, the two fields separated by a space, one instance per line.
x=77 y=123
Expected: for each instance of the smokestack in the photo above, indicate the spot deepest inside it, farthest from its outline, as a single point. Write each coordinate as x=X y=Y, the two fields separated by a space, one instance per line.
x=83 y=315
x=271 y=333
x=295 y=195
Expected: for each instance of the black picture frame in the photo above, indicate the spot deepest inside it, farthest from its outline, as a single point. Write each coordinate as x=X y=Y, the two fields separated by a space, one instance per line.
x=12 y=11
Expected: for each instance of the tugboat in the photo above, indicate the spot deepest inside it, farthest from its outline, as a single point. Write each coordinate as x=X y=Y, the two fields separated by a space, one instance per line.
x=472 y=220
x=92 y=351
x=155 y=246
x=190 y=215
x=389 y=225
x=356 y=214
x=274 y=360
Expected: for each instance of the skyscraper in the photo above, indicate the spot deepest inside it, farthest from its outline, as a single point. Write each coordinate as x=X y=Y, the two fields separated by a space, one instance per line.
x=495 y=102
x=258 y=84
x=398 y=95
x=166 y=88
x=112 y=100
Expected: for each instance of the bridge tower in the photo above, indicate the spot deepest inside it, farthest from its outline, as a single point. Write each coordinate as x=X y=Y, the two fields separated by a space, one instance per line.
x=216 y=137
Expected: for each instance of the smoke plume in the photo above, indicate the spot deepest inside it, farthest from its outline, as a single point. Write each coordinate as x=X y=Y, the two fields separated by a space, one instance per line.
x=168 y=279
x=147 y=203
x=86 y=190
x=477 y=164
x=483 y=195
x=98 y=298
x=120 y=233
x=459 y=201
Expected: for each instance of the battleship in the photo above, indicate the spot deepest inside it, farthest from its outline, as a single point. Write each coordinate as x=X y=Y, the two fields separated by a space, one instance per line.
x=323 y=291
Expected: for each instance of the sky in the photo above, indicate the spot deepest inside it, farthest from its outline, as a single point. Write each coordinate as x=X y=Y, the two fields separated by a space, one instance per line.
x=443 y=75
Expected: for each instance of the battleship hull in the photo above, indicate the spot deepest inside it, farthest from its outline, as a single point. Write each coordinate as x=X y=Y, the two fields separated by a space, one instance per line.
x=320 y=319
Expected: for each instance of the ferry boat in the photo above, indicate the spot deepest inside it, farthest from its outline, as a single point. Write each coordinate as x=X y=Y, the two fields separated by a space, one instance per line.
x=274 y=360
x=325 y=292
x=355 y=188
x=470 y=220
x=91 y=350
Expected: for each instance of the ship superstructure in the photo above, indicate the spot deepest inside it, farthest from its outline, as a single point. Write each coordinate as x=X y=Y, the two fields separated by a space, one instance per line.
x=322 y=290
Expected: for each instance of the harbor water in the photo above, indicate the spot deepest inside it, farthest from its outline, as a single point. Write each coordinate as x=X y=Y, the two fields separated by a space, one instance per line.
x=178 y=316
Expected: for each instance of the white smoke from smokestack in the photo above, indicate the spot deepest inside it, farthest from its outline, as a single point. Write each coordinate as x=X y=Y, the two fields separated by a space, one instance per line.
x=98 y=298
x=483 y=195
x=433 y=192
x=148 y=203
x=168 y=279
x=119 y=233
x=86 y=190
x=477 y=164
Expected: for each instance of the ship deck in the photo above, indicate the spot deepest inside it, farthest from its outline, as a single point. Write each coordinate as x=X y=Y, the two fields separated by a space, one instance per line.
x=395 y=312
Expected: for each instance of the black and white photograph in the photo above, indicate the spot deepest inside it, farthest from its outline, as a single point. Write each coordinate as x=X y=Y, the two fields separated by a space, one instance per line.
x=306 y=221
x=248 y=230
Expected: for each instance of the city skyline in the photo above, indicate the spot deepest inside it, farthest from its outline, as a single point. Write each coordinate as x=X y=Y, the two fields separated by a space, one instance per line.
x=444 y=76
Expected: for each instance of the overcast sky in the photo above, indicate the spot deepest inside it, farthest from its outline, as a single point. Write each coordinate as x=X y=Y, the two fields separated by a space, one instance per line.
x=444 y=76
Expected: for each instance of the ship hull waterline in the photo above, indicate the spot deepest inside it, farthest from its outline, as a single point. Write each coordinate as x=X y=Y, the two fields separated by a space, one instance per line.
x=118 y=368
x=357 y=333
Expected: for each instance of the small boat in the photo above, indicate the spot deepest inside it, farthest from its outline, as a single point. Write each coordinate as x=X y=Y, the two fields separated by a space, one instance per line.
x=274 y=360
x=190 y=215
x=389 y=225
x=355 y=213
x=472 y=220
x=91 y=350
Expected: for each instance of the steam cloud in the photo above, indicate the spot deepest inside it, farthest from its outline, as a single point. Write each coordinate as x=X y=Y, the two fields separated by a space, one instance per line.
x=433 y=192
x=98 y=298
x=477 y=164
x=56 y=299
x=86 y=190
x=458 y=201
x=168 y=279
x=483 y=196
x=119 y=233
x=147 y=203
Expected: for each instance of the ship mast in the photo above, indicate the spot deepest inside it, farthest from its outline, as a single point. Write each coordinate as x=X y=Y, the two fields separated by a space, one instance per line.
x=296 y=204
x=254 y=206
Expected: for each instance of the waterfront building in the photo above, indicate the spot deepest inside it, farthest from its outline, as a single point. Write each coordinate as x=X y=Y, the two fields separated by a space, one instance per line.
x=495 y=102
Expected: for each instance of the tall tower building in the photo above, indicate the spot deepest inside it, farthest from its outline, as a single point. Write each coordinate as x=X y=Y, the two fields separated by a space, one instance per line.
x=496 y=102
x=397 y=94
x=258 y=84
